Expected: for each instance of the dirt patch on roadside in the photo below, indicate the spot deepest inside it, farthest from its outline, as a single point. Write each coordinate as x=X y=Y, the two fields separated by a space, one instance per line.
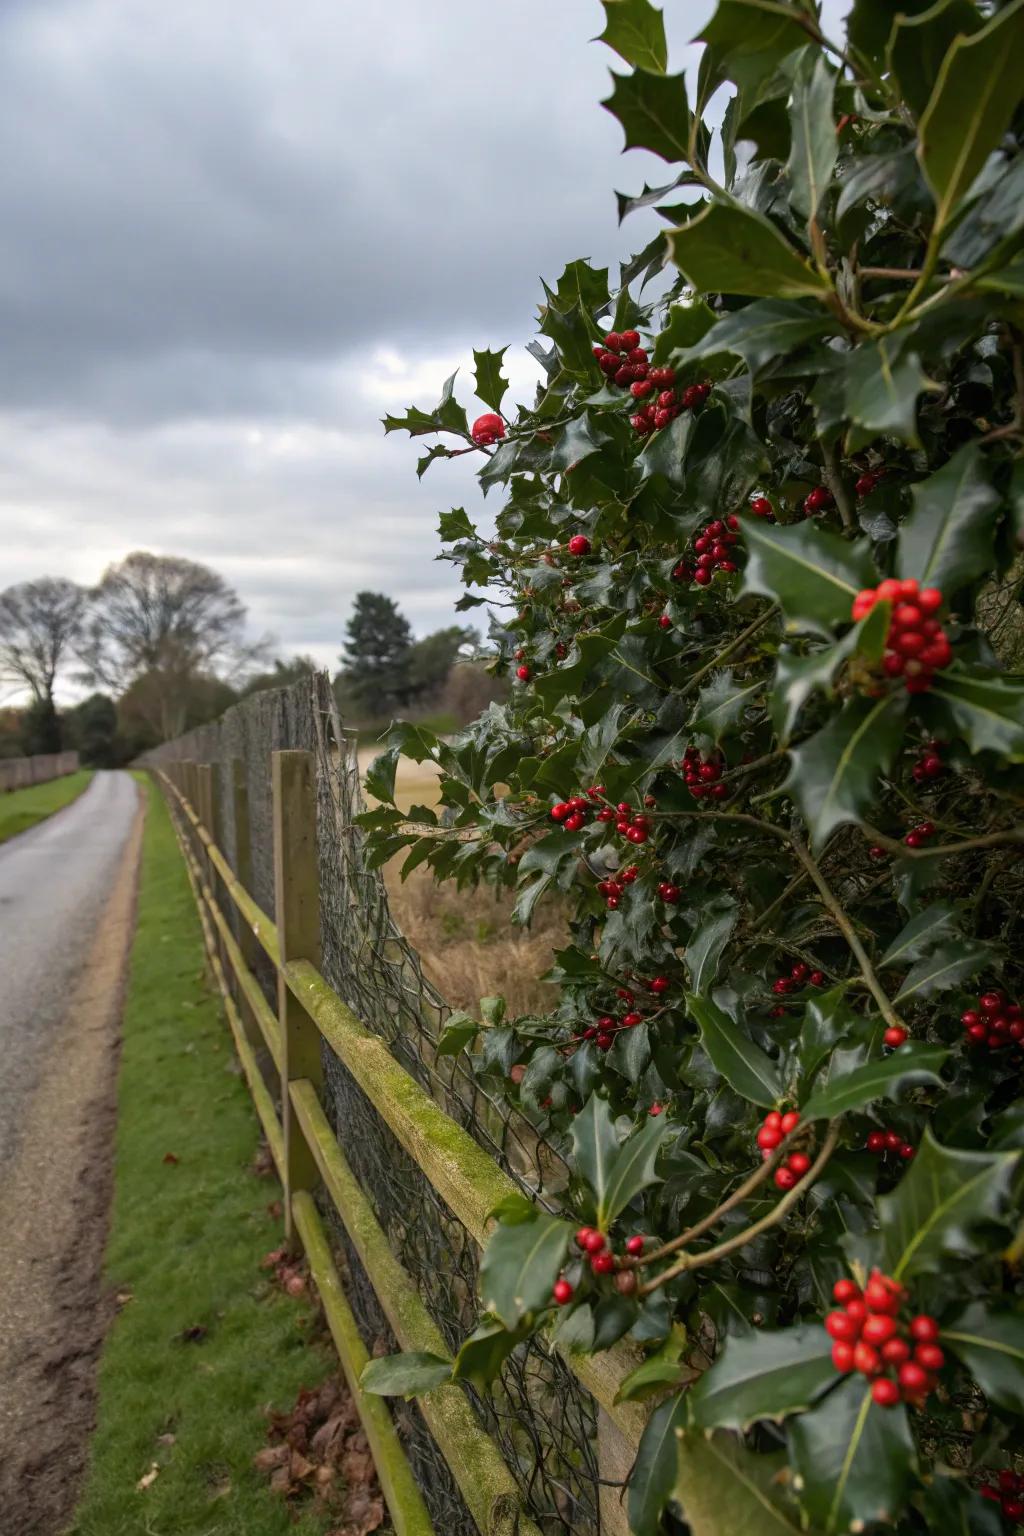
x=54 y=1211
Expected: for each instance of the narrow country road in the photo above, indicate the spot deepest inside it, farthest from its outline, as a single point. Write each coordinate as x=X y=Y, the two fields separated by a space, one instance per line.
x=67 y=894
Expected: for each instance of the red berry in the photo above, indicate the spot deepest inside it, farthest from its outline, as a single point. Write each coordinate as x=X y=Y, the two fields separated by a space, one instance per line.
x=614 y=342
x=990 y=1002
x=895 y=1351
x=924 y=1329
x=594 y=1242
x=930 y=1356
x=603 y=1263
x=574 y=822
x=906 y=1152
x=1013 y=1509
x=664 y=622
x=798 y=1163
x=785 y=1178
x=768 y=1138
x=817 y=978
x=800 y=971
x=635 y=1245
x=878 y=1328
x=637 y=834
x=846 y=1290
x=885 y=1392
x=605 y=1042
x=893 y=1140
x=562 y=1292
x=881 y=1297
x=865 y=485
x=487 y=429
x=630 y=339
x=842 y=1356
x=790 y=1120
x=761 y=507
x=913 y=1380
x=640 y=388
x=876 y=1141
x=582 y=1235
x=630 y=1020
x=895 y=1035
x=660 y=984
x=523 y=674
x=840 y=1325
x=866 y=1359
x=929 y=599
x=579 y=544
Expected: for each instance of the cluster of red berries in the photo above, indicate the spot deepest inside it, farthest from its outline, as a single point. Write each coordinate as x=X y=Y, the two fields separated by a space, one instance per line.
x=917 y=646
x=868 y=1336
x=774 y=1127
x=920 y=834
x=604 y=1029
x=669 y=893
x=929 y=764
x=882 y=1142
x=994 y=1023
x=800 y=975
x=630 y=824
x=603 y=1261
x=572 y=813
x=702 y=775
x=818 y=500
x=762 y=507
x=712 y=547
x=611 y=890
x=657 y=413
x=1007 y=1492
x=487 y=429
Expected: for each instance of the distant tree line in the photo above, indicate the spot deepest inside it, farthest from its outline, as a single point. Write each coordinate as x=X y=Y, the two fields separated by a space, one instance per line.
x=162 y=641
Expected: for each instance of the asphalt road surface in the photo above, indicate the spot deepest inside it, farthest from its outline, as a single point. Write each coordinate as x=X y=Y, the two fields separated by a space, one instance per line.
x=55 y=881
x=67 y=907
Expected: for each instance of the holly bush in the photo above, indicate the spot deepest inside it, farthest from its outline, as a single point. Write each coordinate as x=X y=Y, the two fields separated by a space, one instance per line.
x=758 y=561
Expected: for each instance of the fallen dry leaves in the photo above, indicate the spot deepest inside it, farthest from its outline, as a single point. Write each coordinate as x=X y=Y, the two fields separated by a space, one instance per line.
x=318 y=1451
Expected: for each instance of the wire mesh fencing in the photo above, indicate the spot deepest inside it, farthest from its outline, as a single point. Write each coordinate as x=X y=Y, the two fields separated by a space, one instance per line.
x=543 y=1419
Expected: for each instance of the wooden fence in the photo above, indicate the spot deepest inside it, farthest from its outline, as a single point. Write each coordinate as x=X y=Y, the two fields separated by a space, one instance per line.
x=310 y=1160
x=20 y=772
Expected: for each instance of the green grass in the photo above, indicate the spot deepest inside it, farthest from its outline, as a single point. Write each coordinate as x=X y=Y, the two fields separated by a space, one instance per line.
x=185 y=1246
x=23 y=808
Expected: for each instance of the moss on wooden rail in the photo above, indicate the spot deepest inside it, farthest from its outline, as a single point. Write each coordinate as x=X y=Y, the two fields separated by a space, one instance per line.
x=487 y=1486
x=408 y=1511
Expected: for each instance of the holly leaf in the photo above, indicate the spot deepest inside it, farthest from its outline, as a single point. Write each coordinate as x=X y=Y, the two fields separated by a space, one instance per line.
x=720 y=704
x=688 y=321
x=636 y=32
x=798 y=678
x=654 y=1472
x=459 y=1031
x=814 y=145
x=631 y=1170
x=827 y=1019
x=483 y=1354
x=746 y=43
x=731 y=249
x=520 y=1265
x=708 y=940
x=834 y=774
x=921 y=935
x=490 y=386
x=380 y=776
x=763 y=1376
x=812 y=573
x=741 y=1062
x=883 y=1078
x=882 y=382
x=406 y=1375
x=919 y=44
x=760 y=333
x=946 y=968
x=854 y=1459
x=936 y=1207
x=595 y=1145
x=990 y=1342
x=723 y=1487
x=946 y=541
x=988 y=712
x=654 y=112
x=976 y=93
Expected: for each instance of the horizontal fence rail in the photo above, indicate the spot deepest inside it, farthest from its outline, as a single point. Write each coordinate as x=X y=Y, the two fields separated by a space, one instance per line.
x=309 y=1159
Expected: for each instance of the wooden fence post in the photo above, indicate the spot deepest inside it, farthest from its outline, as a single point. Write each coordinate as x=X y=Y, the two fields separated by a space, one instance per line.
x=243 y=871
x=297 y=914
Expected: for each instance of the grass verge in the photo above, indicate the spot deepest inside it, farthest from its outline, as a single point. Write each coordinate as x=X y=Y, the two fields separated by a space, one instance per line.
x=23 y=808
x=203 y=1342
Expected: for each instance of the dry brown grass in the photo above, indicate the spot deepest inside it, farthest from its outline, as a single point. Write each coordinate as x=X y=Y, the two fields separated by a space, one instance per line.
x=466 y=940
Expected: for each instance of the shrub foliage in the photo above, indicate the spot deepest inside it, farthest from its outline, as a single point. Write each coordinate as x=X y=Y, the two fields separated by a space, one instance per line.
x=765 y=739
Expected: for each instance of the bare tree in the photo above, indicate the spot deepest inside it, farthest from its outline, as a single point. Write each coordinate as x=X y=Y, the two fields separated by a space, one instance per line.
x=40 y=624
x=169 y=620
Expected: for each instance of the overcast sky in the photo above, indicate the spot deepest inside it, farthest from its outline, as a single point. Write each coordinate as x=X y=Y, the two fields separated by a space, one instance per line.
x=235 y=232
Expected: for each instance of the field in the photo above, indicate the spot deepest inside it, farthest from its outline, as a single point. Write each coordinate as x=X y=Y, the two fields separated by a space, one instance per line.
x=466 y=940
x=24 y=808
